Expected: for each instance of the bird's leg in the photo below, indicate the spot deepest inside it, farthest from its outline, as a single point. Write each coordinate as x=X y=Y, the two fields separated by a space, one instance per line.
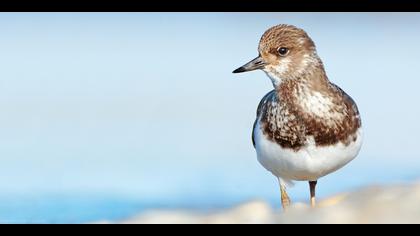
x=312 y=186
x=285 y=200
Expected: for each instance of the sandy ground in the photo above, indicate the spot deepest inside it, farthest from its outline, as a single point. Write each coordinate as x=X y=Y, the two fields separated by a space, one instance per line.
x=378 y=204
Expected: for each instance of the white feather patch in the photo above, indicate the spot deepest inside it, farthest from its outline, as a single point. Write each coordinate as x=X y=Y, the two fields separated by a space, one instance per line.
x=309 y=163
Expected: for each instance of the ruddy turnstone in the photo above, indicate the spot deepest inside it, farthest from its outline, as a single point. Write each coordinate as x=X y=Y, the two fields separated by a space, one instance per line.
x=307 y=127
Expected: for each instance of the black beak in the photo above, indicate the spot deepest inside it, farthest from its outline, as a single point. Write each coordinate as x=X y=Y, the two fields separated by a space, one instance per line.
x=257 y=63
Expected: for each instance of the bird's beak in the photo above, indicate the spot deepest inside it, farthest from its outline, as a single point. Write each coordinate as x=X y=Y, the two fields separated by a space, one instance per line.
x=257 y=63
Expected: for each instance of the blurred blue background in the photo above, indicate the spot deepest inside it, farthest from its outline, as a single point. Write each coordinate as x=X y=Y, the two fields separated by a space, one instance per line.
x=103 y=115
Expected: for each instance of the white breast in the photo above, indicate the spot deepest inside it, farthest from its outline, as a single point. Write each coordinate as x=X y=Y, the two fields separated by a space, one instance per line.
x=309 y=163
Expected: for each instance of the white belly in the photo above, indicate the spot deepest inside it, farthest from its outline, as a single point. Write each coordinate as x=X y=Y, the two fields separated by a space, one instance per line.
x=309 y=163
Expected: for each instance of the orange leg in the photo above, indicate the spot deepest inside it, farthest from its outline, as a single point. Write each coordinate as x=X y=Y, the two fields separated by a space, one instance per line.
x=285 y=200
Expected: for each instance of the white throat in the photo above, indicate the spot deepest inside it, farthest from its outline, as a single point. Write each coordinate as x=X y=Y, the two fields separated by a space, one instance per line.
x=275 y=79
x=277 y=73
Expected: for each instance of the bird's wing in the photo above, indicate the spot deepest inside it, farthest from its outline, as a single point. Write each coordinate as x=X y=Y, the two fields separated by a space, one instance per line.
x=259 y=110
x=349 y=102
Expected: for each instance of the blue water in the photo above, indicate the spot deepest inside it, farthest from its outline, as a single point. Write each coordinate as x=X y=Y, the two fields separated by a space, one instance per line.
x=214 y=190
x=65 y=209
x=86 y=209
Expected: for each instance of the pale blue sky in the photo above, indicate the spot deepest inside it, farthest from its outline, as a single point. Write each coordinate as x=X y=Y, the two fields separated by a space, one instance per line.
x=145 y=105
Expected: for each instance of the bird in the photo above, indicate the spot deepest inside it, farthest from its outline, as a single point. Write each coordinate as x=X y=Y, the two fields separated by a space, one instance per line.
x=306 y=127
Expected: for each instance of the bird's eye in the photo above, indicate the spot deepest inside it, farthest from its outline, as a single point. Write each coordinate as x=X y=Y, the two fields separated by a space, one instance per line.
x=283 y=51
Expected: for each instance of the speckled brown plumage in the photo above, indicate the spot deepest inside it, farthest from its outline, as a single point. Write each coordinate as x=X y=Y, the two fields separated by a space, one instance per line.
x=285 y=121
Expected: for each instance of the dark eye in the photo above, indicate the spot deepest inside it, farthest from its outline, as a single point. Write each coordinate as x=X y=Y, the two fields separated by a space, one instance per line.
x=283 y=51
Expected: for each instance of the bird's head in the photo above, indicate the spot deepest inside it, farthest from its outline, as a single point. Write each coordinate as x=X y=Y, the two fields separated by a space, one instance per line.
x=285 y=52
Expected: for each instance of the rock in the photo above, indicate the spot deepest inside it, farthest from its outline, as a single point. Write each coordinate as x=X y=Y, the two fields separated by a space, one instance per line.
x=397 y=204
x=377 y=204
x=252 y=212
